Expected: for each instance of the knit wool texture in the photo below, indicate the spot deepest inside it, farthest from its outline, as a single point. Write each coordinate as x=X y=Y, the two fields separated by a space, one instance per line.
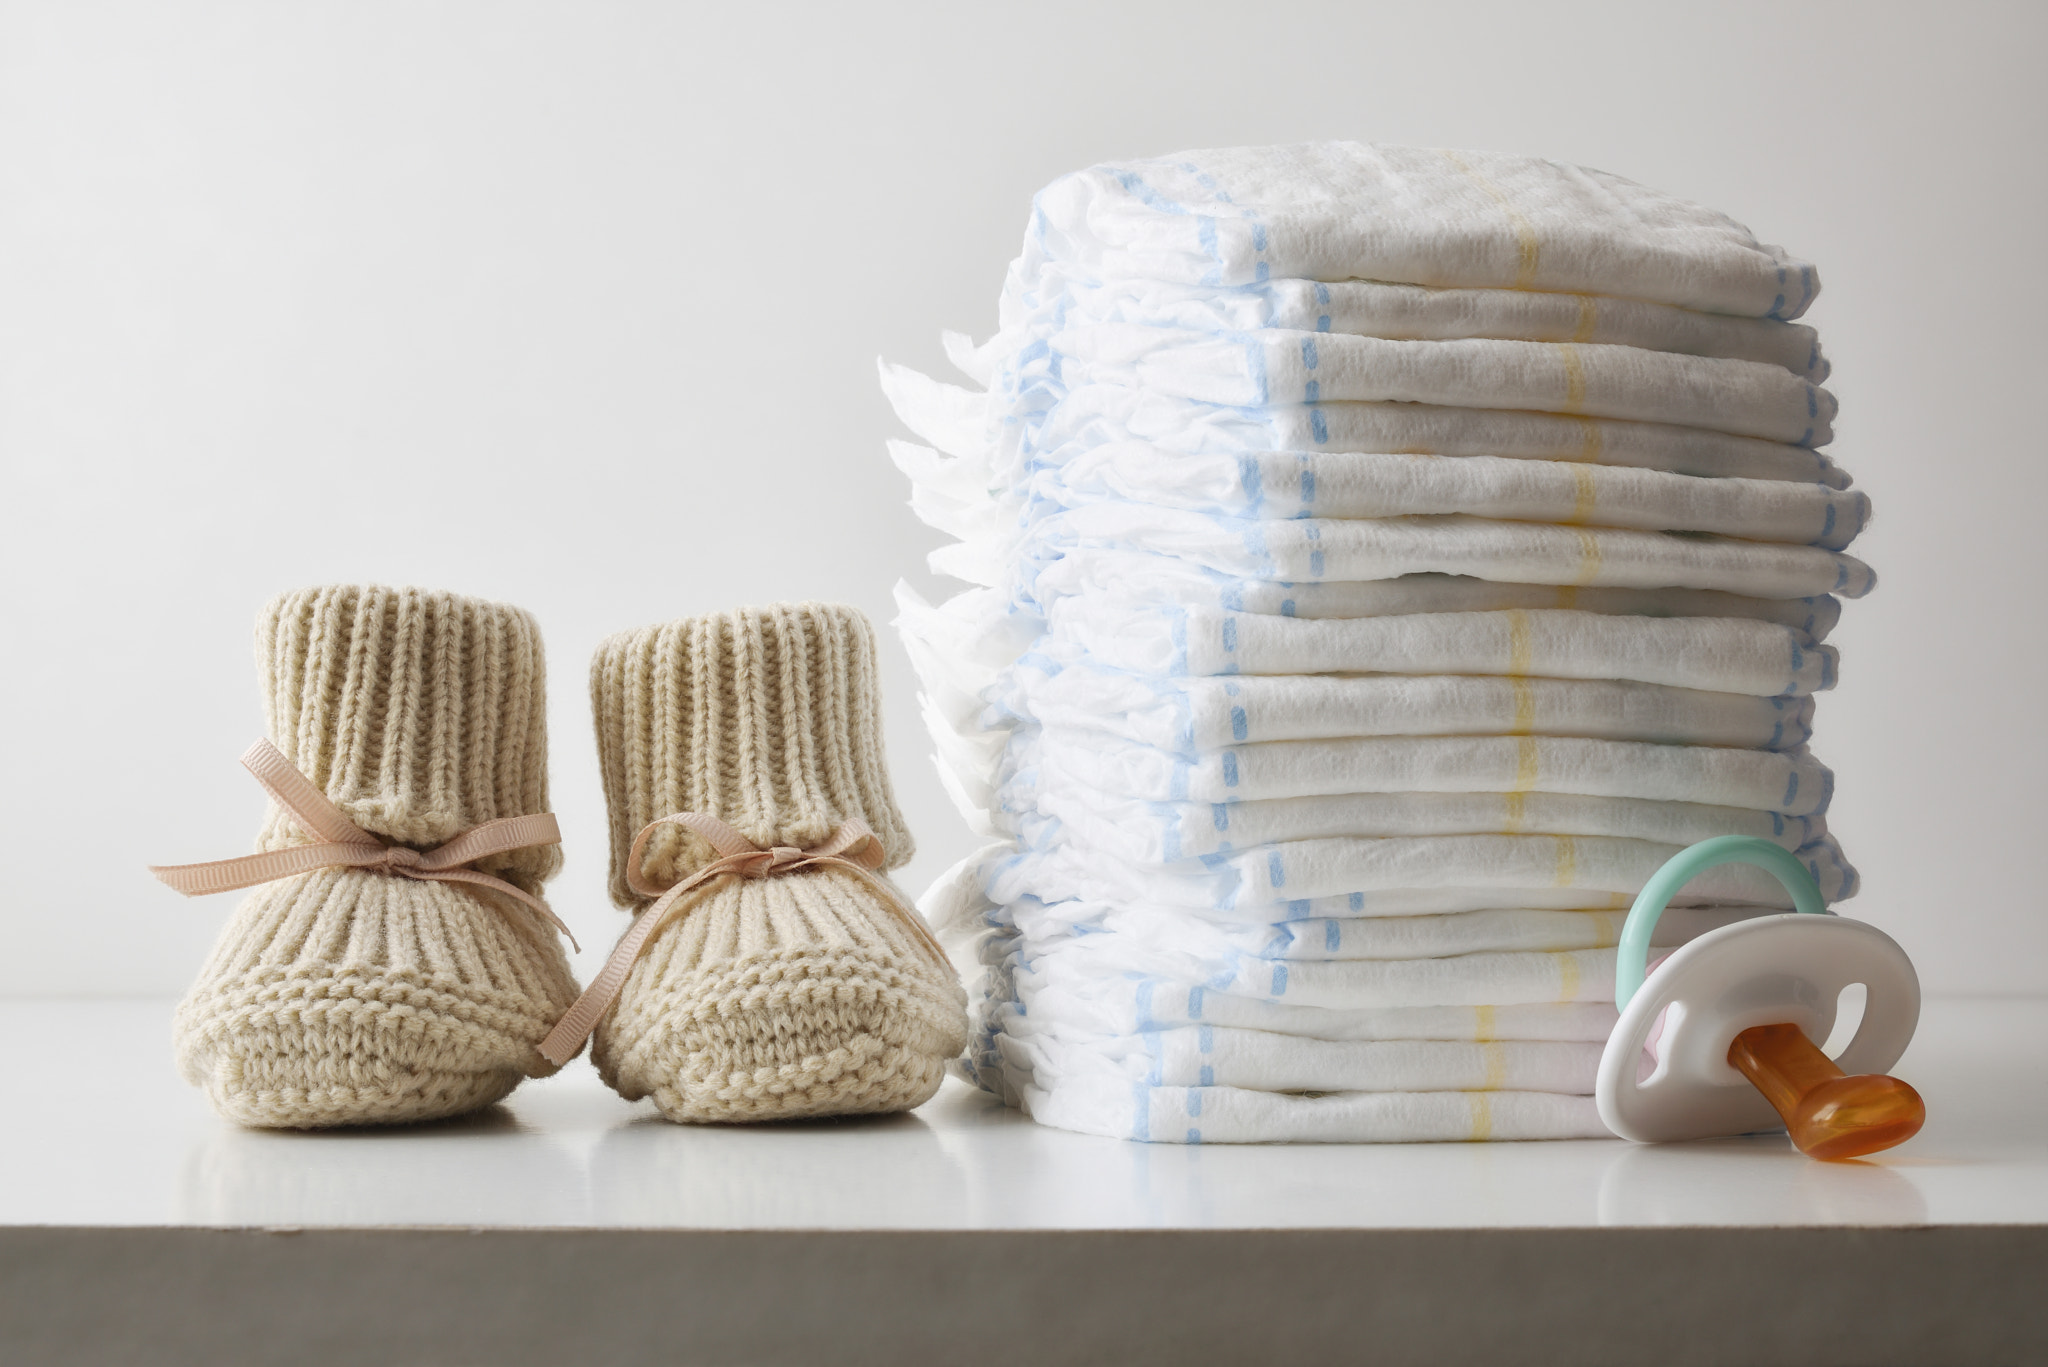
x=356 y=997
x=801 y=994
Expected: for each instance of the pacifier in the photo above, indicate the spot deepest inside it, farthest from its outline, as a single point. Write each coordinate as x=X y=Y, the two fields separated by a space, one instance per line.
x=1741 y=1008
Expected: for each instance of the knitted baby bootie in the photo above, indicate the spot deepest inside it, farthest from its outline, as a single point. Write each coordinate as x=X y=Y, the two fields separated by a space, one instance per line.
x=790 y=979
x=394 y=962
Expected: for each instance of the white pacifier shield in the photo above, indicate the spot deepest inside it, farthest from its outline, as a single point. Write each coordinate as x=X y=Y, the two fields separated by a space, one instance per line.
x=1787 y=969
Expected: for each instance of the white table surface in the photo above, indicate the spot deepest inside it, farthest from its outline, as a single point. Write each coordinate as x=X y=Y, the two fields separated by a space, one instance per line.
x=99 y=1131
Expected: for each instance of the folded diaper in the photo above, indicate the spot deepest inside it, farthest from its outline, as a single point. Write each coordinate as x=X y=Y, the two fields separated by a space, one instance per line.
x=1719 y=654
x=1339 y=874
x=1142 y=832
x=1372 y=308
x=1794 y=783
x=1383 y=560
x=1129 y=1005
x=1334 y=211
x=1185 y=716
x=1275 y=366
x=1204 y=1056
x=1383 y=548
x=1138 y=577
x=1050 y=420
x=1238 y=1115
x=1277 y=485
x=1251 y=932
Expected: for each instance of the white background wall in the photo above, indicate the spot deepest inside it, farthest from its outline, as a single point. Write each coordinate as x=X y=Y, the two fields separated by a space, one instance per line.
x=577 y=305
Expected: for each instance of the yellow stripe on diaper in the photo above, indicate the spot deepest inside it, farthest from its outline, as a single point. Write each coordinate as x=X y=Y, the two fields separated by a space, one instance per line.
x=1589 y=557
x=1525 y=765
x=1567 y=977
x=1520 y=651
x=1606 y=929
x=1567 y=855
x=1482 y=1024
x=1574 y=376
x=1584 y=496
x=1528 y=250
x=1593 y=445
x=1482 y=1115
x=1525 y=708
x=1589 y=317
x=1513 y=815
x=1567 y=596
x=1496 y=1067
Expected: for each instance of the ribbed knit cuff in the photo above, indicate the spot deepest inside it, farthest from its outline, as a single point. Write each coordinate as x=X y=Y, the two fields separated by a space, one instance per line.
x=768 y=718
x=419 y=714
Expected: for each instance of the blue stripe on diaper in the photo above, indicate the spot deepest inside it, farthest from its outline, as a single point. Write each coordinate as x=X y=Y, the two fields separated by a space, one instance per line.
x=1230 y=635
x=1219 y=815
x=1827 y=526
x=1287 y=607
x=1308 y=352
x=1255 y=362
x=1276 y=875
x=1312 y=392
x=1230 y=768
x=1279 y=980
x=1358 y=901
x=1240 y=727
x=1143 y=1002
x=1317 y=426
x=1333 y=934
x=1791 y=789
x=1194 y=1003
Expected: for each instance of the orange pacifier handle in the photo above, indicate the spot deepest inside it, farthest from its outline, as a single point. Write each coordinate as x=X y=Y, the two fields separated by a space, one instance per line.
x=1828 y=1113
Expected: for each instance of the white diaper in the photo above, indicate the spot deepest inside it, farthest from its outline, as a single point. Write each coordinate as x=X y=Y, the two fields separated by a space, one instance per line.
x=1371 y=308
x=1723 y=655
x=1274 y=367
x=1347 y=211
x=1204 y=1056
x=1348 y=875
x=1236 y=1115
x=1142 y=832
x=1384 y=548
x=1187 y=715
x=1139 y=577
x=997 y=440
x=1282 y=485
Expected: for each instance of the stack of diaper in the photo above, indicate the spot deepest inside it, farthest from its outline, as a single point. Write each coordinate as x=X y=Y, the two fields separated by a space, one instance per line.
x=1384 y=559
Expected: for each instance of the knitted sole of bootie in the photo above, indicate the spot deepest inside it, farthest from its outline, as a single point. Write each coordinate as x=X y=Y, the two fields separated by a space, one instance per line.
x=347 y=997
x=785 y=1036
x=314 y=1050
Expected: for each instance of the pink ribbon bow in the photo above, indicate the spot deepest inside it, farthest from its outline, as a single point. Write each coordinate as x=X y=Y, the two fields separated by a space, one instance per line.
x=343 y=844
x=853 y=846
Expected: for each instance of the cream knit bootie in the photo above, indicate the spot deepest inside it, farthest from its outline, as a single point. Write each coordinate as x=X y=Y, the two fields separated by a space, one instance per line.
x=802 y=994
x=355 y=996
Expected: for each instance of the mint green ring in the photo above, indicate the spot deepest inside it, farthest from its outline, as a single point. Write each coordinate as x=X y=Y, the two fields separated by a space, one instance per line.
x=1632 y=955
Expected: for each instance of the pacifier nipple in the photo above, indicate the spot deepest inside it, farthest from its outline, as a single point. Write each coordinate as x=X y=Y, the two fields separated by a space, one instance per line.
x=1828 y=1113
